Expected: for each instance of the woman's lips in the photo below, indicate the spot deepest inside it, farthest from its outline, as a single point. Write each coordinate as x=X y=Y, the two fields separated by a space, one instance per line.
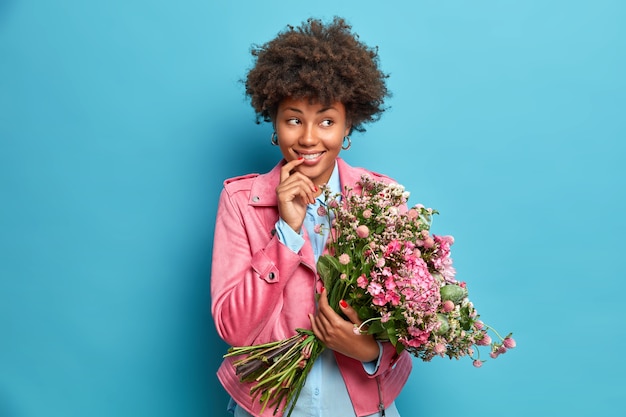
x=310 y=158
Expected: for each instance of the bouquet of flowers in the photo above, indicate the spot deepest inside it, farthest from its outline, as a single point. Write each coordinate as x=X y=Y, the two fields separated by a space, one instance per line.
x=398 y=276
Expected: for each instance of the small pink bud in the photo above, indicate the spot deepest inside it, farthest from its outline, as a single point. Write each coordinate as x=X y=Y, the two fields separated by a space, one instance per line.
x=509 y=342
x=344 y=259
x=479 y=325
x=429 y=242
x=478 y=363
x=413 y=214
x=501 y=350
x=343 y=276
x=493 y=355
x=440 y=348
x=367 y=213
x=447 y=306
x=362 y=231
x=486 y=340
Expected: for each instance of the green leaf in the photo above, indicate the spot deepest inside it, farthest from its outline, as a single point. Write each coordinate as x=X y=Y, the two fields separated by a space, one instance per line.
x=465 y=320
x=328 y=268
x=375 y=327
x=390 y=328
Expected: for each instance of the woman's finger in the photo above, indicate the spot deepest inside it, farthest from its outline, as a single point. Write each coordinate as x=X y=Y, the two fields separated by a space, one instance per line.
x=285 y=171
x=350 y=313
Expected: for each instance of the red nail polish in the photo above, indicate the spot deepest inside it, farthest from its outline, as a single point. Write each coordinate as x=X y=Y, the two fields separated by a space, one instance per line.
x=343 y=304
x=300 y=158
x=322 y=290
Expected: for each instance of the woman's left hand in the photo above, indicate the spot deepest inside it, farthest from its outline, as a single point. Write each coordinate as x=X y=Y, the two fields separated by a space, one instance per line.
x=338 y=334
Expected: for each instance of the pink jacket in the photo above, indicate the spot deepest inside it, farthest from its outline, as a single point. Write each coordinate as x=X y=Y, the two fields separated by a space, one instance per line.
x=262 y=291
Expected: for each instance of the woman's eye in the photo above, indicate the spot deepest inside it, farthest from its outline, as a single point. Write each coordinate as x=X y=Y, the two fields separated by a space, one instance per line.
x=293 y=121
x=327 y=123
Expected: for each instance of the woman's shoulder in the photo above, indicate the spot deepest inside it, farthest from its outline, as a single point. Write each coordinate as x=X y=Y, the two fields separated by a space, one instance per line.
x=239 y=183
x=246 y=182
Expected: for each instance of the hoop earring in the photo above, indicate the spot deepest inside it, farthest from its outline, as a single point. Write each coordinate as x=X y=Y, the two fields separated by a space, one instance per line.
x=343 y=144
x=274 y=139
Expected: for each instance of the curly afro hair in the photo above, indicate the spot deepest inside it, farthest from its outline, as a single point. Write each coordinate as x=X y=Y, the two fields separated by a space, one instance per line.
x=322 y=62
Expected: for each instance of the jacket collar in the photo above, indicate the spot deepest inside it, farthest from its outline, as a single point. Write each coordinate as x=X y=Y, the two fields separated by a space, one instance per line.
x=263 y=190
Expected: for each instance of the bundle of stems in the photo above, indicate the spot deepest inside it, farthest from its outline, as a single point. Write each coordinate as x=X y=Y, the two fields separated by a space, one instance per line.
x=277 y=369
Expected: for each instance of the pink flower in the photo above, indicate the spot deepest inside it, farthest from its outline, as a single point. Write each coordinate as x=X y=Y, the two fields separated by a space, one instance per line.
x=479 y=325
x=440 y=349
x=509 y=342
x=393 y=297
x=501 y=350
x=343 y=276
x=367 y=213
x=379 y=299
x=362 y=231
x=318 y=229
x=413 y=214
x=447 y=306
x=380 y=262
x=362 y=281
x=493 y=355
x=485 y=341
x=344 y=259
x=393 y=247
x=321 y=211
x=374 y=288
x=477 y=363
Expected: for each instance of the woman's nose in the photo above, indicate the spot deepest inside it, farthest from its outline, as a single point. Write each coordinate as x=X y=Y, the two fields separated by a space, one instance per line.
x=308 y=136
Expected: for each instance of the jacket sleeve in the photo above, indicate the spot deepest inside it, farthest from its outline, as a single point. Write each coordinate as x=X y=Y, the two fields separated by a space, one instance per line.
x=247 y=283
x=388 y=359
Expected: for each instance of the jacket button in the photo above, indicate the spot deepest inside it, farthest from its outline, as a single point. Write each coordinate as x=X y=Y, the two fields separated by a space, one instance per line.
x=271 y=275
x=256 y=198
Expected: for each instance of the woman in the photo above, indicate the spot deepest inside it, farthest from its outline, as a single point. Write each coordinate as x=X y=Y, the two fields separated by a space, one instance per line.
x=315 y=84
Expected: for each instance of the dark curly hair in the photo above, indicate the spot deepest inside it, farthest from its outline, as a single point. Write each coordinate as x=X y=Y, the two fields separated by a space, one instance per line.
x=322 y=62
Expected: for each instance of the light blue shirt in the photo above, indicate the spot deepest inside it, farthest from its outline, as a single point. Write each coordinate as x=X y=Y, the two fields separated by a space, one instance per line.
x=324 y=393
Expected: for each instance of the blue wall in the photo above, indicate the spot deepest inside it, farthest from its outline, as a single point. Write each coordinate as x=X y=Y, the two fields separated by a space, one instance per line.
x=120 y=119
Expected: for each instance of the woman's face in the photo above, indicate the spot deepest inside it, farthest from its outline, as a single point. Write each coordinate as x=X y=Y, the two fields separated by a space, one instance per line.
x=314 y=132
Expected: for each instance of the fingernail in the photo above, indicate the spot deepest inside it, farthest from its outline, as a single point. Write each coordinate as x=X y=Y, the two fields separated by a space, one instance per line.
x=300 y=158
x=322 y=290
x=343 y=304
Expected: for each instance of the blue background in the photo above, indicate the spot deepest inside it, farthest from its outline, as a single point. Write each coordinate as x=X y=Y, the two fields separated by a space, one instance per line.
x=119 y=120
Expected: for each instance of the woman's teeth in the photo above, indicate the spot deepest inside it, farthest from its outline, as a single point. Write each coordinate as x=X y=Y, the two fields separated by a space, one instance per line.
x=310 y=157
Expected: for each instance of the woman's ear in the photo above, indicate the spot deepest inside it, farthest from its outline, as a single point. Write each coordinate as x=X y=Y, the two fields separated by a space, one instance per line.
x=348 y=129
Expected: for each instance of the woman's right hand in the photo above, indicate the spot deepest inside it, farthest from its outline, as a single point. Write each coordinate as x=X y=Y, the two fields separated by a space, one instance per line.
x=294 y=193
